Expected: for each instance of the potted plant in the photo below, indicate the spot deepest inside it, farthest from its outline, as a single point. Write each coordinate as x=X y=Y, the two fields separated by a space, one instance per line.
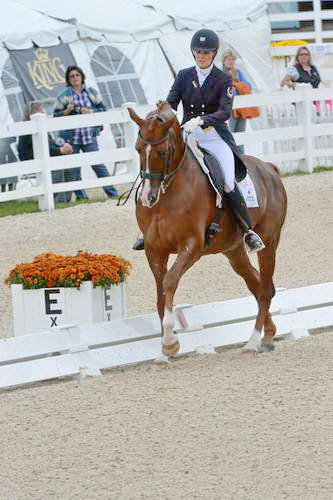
x=55 y=290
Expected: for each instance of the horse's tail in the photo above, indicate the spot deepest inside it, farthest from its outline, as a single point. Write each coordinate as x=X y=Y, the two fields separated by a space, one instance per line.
x=274 y=167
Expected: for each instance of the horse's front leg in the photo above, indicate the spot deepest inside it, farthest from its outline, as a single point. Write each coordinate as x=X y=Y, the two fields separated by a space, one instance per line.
x=187 y=256
x=158 y=265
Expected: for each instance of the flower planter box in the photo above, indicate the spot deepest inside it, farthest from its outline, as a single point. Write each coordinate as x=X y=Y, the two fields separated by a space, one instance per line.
x=42 y=309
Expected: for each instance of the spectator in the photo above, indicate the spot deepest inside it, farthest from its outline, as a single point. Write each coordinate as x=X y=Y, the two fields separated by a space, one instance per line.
x=236 y=124
x=25 y=149
x=303 y=71
x=76 y=99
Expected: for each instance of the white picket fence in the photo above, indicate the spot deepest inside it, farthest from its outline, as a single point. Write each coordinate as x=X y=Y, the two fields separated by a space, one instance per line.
x=86 y=350
x=317 y=15
x=292 y=132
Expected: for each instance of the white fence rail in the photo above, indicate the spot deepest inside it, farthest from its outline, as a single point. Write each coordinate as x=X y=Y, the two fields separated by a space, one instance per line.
x=295 y=131
x=85 y=350
x=316 y=15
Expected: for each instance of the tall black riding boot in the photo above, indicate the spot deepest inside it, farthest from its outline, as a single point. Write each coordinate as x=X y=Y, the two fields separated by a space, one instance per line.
x=252 y=241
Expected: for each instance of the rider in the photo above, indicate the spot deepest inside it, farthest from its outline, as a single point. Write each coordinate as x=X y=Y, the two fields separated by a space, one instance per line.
x=206 y=94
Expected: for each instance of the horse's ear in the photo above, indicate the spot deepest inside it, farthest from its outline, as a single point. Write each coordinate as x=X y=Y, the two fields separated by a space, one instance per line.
x=136 y=118
x=168 y=124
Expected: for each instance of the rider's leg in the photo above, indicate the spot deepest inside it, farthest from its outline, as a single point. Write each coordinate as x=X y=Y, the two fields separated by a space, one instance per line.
x=216 y=145
x=237 y=203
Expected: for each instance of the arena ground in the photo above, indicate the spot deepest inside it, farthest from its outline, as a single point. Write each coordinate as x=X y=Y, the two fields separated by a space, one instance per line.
x=223 y=426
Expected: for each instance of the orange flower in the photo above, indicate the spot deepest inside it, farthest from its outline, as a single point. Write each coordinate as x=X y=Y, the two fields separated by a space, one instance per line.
x=51 y=269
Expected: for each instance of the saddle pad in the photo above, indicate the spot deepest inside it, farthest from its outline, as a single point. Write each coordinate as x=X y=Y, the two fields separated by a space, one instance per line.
x=215 y=178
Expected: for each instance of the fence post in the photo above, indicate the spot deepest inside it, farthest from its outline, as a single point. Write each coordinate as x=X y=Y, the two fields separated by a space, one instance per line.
x=40 y=143
x=317 y=21
x=304 y=117
x=130 y=137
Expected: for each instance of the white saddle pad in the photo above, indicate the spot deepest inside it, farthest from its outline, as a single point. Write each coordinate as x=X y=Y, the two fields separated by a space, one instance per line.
x=246 y=186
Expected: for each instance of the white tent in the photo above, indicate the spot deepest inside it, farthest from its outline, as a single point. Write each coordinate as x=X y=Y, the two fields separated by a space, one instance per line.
x=121 y=58
x=107 y=52
x=241 y=25
x=129 y=50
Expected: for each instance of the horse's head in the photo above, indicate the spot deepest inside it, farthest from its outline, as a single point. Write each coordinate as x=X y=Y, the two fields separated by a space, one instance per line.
x=157 y=146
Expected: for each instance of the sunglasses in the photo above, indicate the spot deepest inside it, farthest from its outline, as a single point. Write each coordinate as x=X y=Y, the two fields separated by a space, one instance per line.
x=73 y=75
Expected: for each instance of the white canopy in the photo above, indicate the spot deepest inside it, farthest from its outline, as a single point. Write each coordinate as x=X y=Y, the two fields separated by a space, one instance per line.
x=241 y=25
x=215 y=14
x=114 y=21
x=21 y=27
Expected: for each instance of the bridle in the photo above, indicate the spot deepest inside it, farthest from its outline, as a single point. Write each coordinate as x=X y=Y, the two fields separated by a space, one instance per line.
x=166 y=175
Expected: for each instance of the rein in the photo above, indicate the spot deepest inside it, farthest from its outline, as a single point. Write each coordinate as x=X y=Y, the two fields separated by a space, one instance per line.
x=166 y=175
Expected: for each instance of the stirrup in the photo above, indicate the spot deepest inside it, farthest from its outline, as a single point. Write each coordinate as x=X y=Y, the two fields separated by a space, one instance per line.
x=253 y=242
x=213 y=229
x=139 y=244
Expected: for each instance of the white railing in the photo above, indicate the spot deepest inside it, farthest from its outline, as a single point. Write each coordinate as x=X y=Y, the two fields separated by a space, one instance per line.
x=297 y=127
x=42 y=165
x=292 y=131
x=316 y=15
x=81 y=350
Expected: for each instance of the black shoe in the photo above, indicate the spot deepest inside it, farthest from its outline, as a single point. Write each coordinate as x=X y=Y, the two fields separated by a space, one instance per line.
x=253 y=242
x=139 y=244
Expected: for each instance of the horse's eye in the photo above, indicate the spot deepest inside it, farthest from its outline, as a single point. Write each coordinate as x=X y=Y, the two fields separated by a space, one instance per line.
x=162 y=153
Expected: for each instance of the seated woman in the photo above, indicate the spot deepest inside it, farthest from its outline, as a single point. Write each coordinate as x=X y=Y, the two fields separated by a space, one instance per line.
x=25 y=150
x=303 y=71
x=206 y=94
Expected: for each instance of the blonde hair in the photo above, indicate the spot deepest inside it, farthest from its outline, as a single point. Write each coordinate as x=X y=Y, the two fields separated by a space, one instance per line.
x=228 y=53
x=297 y=55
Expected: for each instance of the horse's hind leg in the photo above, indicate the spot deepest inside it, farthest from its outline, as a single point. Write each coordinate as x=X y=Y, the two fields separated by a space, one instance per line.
x=240 y=262
x=185 y=259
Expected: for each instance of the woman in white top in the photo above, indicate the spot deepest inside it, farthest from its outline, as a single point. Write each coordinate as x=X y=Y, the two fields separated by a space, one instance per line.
x=303 y=71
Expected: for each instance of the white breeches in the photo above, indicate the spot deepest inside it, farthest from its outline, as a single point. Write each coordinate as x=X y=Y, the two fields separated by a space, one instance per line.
x=211 y=141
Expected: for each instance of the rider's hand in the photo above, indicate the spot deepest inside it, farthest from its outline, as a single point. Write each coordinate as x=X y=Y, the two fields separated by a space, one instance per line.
x=192 y=124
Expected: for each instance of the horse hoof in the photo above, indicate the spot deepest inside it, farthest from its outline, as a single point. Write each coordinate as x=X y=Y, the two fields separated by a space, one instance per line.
x=266 y=346
x=161 y=360
x=169 y=350
x=249 y=351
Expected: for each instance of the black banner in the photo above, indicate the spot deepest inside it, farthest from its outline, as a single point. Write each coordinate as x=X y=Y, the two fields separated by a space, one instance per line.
x=41 y=72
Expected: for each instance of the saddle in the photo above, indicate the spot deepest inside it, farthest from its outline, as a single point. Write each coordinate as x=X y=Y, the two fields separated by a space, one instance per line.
x=215 y=172
x=210 y=165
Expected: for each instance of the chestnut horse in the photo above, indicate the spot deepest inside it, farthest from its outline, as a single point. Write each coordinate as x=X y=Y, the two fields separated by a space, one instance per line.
x=175 y=207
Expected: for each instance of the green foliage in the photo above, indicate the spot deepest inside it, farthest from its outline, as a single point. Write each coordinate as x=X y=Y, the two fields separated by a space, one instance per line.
x=18 y=207
x=316 y=170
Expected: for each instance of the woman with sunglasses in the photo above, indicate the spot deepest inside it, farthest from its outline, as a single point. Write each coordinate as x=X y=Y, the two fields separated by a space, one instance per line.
x=79 y=99
x=303 y=71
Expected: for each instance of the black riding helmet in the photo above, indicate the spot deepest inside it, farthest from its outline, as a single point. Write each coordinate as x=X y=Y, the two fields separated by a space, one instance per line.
x=205 y=40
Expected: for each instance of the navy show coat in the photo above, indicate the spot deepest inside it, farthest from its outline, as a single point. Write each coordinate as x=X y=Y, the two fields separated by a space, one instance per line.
x=212 y=101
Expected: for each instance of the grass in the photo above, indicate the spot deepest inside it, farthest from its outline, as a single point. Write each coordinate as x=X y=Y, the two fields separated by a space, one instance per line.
x=28 y=206
x=315 y=171
x=15 y=207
